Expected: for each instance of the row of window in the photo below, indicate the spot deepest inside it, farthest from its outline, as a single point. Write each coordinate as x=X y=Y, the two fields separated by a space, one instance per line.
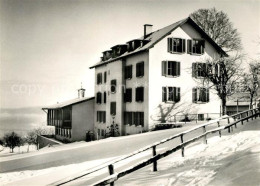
x=101 y=116
x=139 y=70
x=134 y=118
x=173 y=69
x=139 y=95
x=172 y=94
x=194 y=46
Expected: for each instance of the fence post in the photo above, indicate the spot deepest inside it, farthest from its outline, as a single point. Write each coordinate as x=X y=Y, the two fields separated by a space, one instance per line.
x=252 y=114
x=205 y=137
x=255 y=113
x=111 y=172
x=182 y=149
x=247 y=115
x=155 y=162
x=228 y=120
x=219 y=130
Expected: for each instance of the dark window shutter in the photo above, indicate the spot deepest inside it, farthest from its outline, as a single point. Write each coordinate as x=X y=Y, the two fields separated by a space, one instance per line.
x=194 y=95
x=140 y=69
x=100 y=78
x=189 y=47
x=139 y=94
x=130 y=71
x=194 y=70
x=105 y=77
x=142 y=118
x=207 y=95
x=174 y=94
x=105 y=97
x=113 y=108
x=104 y=116
x=183 y=45
x=164 y=94
x=175 y=70
x=170 y=93
x=202 y=46
x=178 y=94
x=169 y=44
x=178 y=68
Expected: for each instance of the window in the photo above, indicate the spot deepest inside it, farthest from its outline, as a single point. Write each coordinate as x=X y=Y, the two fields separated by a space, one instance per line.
x=199 y=70
x=140 y=69
x=176 y=45
x=200 y=95
x=105 y=77
x=128 y=95
x=99 y=78
x=113 y=108
x=128 y=116
x=134 y=118
x=101 y=116
x=171 y=94
x=201 y=117
x=196 y=46
x=139 y=118
x=113 y=86
x=171 y=68
x=139 y=94
x=98 y=99
x=128 y=72
x=105 y=97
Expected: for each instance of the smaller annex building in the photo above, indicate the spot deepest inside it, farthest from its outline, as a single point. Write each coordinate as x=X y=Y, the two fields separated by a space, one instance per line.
x=74 y=119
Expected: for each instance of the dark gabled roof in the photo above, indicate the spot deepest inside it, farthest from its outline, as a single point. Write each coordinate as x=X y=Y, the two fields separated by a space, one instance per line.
x=68 y=103
x=158 y=35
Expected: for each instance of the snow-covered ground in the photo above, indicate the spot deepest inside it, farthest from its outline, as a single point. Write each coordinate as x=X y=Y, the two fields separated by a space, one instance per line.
x=231 y=160
x=5 y=151
x=212 y=164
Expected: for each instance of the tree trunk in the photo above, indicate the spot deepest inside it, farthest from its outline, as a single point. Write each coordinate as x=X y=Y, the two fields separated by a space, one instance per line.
x=223 y=101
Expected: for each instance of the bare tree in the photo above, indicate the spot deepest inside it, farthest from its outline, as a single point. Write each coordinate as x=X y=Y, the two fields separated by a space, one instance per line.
x=222 y=74
x=218 y=26
x=31 y=139
x=251 y=80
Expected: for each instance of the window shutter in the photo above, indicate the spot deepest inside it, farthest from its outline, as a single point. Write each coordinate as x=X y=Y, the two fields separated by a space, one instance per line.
x=202 y=46
x=142 y=118
x=131 y=71
x=207 y=95
x=194 y=70
x=174 y=94
x=113 y=85
x=164 y=94
x=189 y=46
x=194 y=95
x=175 y=70
x=105 y=97
x=178 y=94
x=113 y=108
x=183 y=45
x=170 y=45
x=178 y=68
x=164 y=68
x=105 y=77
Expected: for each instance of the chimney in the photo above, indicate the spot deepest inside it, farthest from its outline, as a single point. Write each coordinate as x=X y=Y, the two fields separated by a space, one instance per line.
x=147 y=29
x=81 y=92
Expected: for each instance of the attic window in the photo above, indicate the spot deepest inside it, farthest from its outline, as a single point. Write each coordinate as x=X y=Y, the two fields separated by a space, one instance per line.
x=176 y=45
x=196 y=46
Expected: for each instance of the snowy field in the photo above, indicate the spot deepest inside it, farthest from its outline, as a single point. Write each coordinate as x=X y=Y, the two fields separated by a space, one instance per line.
x=230 y=160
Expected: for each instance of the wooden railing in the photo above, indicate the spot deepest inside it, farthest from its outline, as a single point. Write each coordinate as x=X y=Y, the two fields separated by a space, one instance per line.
x=238 y=118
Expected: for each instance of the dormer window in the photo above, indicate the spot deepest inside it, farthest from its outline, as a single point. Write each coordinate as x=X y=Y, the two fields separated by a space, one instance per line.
x=107 y=55
x=196 y=46
x=132 y=45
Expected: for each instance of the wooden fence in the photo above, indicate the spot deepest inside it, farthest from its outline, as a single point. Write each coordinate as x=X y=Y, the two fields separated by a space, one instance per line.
x=238 y=118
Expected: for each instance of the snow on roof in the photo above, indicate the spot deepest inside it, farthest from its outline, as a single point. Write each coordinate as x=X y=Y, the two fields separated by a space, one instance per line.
x=157 y=36
x=69 y=102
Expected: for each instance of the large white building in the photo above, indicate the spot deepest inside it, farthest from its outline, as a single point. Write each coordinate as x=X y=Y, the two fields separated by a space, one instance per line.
x=139 y=80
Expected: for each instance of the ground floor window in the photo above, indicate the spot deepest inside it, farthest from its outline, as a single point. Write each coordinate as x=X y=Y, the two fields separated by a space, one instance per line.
x=134 y=118
x=101 y=116
x=200 y=95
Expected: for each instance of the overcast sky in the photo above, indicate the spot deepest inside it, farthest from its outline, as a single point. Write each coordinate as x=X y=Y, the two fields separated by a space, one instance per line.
x=47 y=46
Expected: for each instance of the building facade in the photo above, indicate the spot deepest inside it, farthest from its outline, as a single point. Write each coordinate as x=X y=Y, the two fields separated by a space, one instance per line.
x=137 y=83
x=74 y=119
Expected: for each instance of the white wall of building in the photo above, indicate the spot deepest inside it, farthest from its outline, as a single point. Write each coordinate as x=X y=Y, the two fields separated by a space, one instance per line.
x=185 y=81
x=82 y=119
